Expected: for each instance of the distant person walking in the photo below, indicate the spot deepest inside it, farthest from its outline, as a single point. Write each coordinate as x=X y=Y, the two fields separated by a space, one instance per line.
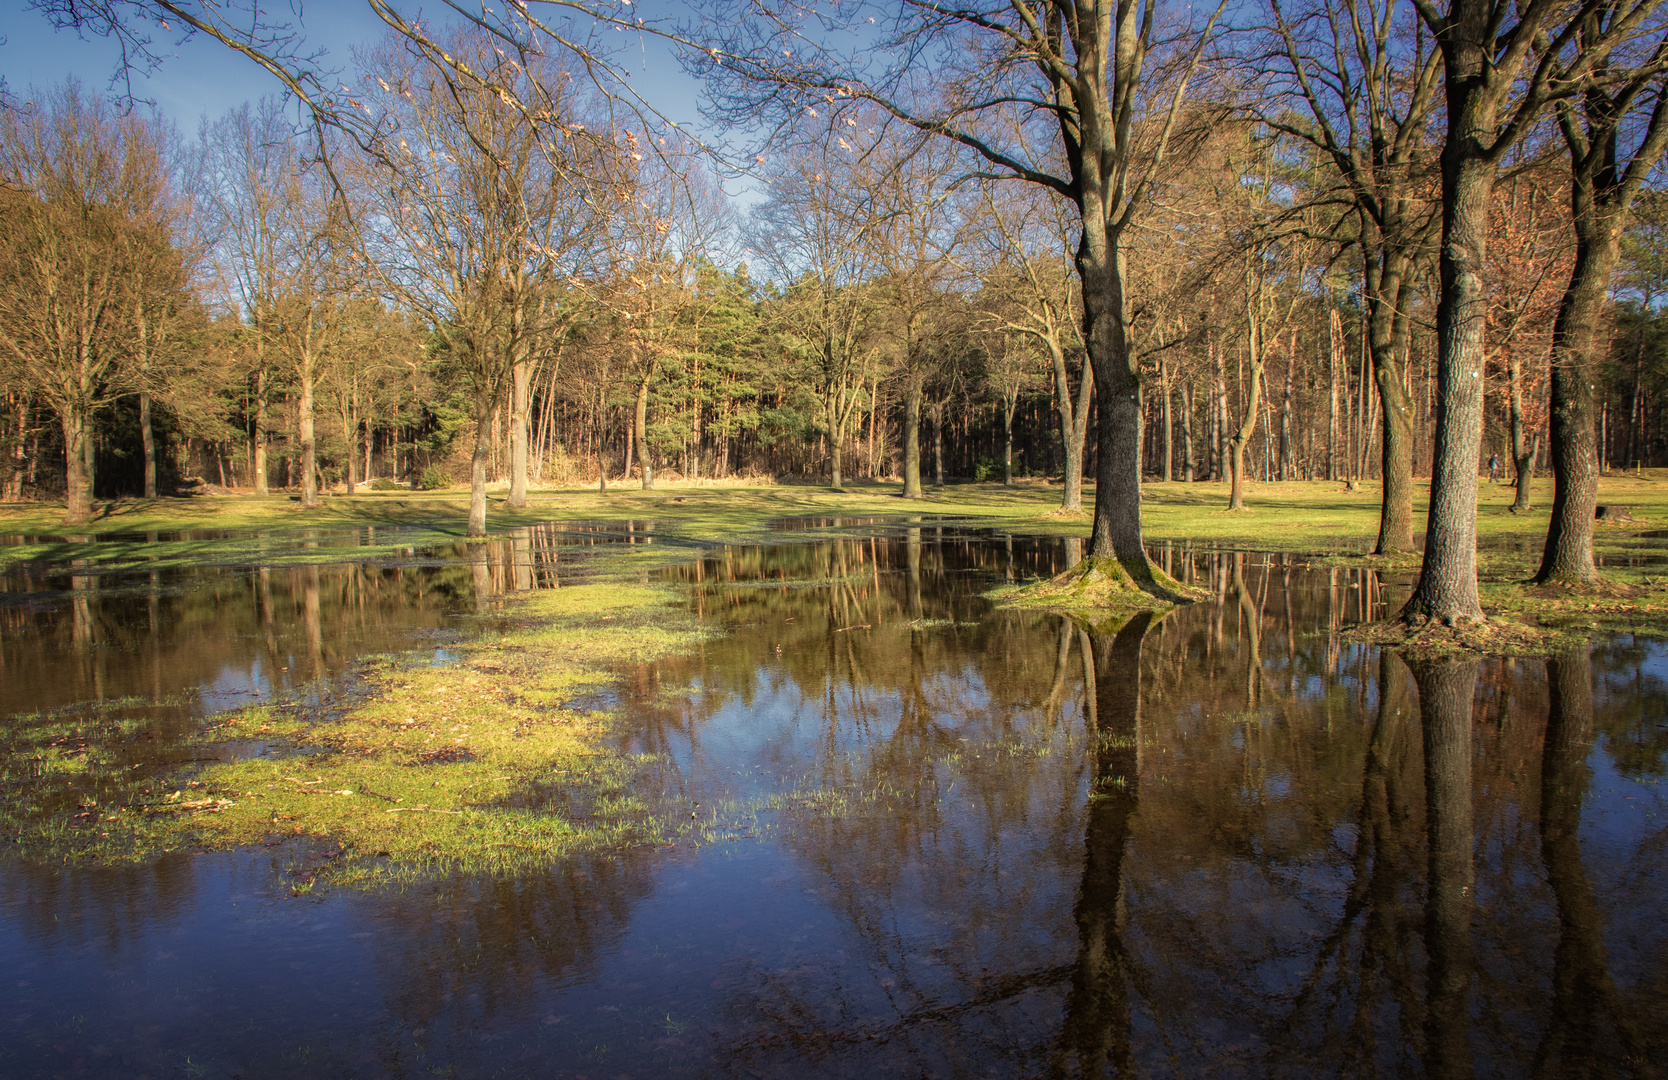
x=1494 y=468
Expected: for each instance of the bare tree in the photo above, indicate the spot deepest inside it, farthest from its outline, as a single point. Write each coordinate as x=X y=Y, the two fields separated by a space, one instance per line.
x=1083 y=70
x=85 y=234
x=668 y=228
x=1369 y=94
x=261 y=208
x=1023 y=258
x=482 y=205
x=1503 y=64
x=1606 y=172
x=810 y=233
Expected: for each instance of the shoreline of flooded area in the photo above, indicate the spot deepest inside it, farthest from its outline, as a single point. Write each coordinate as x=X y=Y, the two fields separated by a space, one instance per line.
x=937 y=837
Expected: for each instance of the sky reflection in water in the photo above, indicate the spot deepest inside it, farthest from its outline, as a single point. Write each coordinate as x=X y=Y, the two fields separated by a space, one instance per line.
x=963 y=842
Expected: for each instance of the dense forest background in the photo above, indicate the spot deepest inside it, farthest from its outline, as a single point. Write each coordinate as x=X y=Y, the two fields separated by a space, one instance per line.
x=510 y=277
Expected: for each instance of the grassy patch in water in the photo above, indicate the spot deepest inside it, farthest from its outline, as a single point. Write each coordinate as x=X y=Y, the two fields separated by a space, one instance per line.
x=488 y=765
x=1097 y=585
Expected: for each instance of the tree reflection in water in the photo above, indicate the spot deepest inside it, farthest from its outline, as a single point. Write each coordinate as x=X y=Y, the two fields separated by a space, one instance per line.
x=1223 y=842
x=1097 y=1025
x=1588 y=1018
x=1446 y=689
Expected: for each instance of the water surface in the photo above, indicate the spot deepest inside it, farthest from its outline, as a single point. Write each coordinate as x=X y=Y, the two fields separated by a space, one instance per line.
x=956 y=841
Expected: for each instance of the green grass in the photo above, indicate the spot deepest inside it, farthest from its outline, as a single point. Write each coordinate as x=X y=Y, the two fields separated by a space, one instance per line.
x=493 y=764
x=485 y=765
x=1317 y=518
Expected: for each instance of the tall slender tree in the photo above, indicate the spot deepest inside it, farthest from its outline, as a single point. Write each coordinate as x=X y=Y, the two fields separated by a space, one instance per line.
x=1606 y=173
x=1366 y=95
x=1093 y=73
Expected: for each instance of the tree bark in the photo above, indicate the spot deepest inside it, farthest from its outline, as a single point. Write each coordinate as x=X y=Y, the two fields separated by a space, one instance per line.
x=1168 y=472
x=77 y=499
x=1523 y=458
x=89 y=458
x=1219 y=435
x=1287 y=467
x=1389 y=331
x=259 y=437
x=1248 y=422
x=309 y=459
x=521 y=429
x=1187 y=432
x=640 y=431
x=1074 y=422
x=1117 y=526
x=147 y=439
x=1334 y=362
x=937 y=409
x=912 y=438
x=1008 y=406
x=478 y=468
x=1447 y=588
x=350 y=427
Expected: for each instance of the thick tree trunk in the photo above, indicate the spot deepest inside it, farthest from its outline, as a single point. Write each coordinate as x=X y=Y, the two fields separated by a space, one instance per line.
x=147 y=439
x=912 y=438
x=1576 y=345
x=1446 y=689
x=521 y=430
x=1117 y=526
x=77 y=498
x=640 y=431
x=1447 y=588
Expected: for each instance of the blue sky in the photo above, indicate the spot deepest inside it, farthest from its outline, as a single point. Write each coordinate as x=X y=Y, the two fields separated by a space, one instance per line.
x=202 y=77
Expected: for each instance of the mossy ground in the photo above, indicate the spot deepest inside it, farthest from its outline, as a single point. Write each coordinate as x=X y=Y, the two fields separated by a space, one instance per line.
x=495 y=763
x=490 y=764
x=1318 y=518
x=1099 y=585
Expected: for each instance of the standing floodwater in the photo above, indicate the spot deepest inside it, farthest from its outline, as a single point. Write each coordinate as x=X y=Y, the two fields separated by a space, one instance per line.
x=943 y=839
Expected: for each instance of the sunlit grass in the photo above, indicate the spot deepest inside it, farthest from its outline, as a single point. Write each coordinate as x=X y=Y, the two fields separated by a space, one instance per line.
x=485 y=765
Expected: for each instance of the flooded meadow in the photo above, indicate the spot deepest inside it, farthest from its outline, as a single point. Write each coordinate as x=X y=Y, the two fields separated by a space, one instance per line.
x=919 y=834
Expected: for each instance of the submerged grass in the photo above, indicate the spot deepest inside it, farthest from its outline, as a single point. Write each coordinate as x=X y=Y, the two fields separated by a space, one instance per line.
x=500 y=762
x=490 y=765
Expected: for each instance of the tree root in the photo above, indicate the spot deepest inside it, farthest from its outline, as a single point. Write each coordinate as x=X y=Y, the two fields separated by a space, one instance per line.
x=1102 y=583
x=1490 y=637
